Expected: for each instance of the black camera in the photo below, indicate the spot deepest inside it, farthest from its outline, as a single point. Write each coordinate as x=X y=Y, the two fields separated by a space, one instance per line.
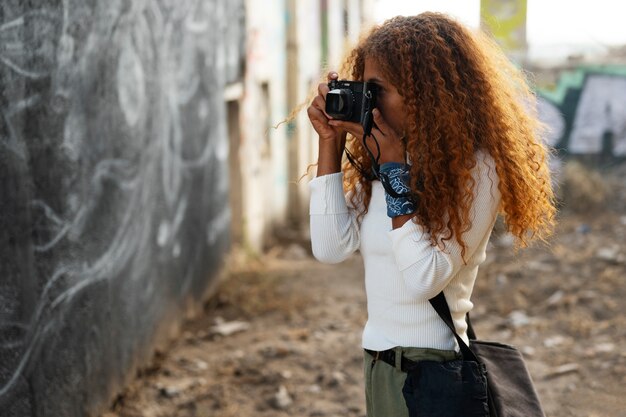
x=352 y=101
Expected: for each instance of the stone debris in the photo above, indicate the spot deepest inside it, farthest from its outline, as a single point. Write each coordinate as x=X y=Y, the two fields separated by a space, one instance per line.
x=558 y=371
x=600 y=348
x=224 y=328
x=194 y=364
x=528 y=351
x=583 y=229
x=502 y=280
x=611 y=254
x=200 y=364
x=314 y=389
x=281 y=400
x=554 y=341
x=276 y=351
x=179 y=386
x=518 y=318
x=337 y=378
x=507 y=240
x=539 y=266
x=555 y=298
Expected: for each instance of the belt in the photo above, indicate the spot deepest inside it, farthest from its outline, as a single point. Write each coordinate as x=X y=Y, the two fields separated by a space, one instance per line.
x=389 y=356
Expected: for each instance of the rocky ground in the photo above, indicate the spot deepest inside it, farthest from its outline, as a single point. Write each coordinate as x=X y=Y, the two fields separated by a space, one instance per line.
x=281 y=337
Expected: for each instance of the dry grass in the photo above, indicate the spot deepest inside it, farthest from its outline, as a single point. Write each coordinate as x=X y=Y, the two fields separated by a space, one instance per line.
x=582 y=190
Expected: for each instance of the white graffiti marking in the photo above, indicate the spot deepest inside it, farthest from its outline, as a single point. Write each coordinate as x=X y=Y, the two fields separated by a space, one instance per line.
x=601 y=110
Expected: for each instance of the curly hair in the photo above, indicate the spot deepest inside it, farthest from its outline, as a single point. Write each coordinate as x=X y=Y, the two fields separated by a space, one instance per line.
x=462 y=95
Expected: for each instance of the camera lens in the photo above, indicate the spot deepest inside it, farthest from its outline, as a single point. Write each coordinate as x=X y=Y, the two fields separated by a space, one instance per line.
x=339 y=103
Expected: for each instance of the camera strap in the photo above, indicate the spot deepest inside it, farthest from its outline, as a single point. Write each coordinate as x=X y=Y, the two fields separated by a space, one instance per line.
x=375 y=173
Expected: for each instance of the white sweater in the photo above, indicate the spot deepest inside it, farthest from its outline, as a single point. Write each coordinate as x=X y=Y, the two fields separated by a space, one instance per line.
x=402 y=269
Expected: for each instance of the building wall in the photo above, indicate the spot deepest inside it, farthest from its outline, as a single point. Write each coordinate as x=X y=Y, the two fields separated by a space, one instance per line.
x=113 y=176
x=290 y=44
x=321 y=34
x=262 y=153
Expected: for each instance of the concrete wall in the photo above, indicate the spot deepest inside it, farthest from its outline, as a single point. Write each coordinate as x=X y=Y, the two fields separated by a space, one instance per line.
x=113 y=210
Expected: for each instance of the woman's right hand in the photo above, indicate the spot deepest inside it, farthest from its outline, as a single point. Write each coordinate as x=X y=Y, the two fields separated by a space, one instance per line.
x=330 y=137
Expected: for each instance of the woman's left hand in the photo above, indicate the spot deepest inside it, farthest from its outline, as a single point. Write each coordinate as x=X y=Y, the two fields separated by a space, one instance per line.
x=392 y=148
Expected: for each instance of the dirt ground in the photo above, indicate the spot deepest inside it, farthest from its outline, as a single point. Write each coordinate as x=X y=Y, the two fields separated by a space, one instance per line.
x=282 y=336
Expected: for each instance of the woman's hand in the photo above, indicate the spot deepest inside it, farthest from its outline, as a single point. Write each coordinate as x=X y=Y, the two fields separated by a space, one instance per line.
x=317 y=113
x=331 y=139
x=392 y=147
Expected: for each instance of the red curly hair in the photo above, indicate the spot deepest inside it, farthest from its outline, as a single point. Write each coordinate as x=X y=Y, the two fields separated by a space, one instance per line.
x=462 y=95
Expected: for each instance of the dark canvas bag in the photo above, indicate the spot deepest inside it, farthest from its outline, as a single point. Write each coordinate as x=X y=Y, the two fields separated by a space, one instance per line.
x=455 y=388
x=511 y=392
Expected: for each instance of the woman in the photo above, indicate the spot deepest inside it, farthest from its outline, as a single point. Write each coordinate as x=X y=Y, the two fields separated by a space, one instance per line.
x=454 y=127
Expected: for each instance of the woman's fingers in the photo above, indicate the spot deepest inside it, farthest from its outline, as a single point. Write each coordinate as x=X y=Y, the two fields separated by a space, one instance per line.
x=391 y=146
x=380 y=123
x=319 y=103
x=322 y=89
x=316 y=111
x=351 y=127
x=383 y=142
x=356 y=129
x=381 y=128
x=320 y=120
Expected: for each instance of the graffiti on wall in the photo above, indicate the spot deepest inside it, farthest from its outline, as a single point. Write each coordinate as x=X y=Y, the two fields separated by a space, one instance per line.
x=586 y=113
x=113 y=150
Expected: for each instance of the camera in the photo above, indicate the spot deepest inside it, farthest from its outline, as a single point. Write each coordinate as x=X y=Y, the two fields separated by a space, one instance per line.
x=352 y=101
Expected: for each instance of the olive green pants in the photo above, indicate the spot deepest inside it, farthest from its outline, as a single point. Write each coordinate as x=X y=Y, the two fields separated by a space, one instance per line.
x=383 y=382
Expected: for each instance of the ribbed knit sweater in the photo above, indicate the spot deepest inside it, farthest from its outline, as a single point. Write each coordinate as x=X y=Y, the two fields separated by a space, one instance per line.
x=402 y=269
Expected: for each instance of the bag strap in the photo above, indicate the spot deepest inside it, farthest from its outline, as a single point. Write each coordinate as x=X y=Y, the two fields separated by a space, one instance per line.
x=440 y=305
x=470 y=330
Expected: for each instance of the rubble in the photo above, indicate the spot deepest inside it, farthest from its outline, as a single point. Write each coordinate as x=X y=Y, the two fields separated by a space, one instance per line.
x=223 y=328
x=568 y=368
x=179 y=386
x=282 y=400
x=518 y=318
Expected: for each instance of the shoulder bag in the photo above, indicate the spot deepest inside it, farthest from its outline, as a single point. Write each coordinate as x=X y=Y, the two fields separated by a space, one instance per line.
x=510 y=390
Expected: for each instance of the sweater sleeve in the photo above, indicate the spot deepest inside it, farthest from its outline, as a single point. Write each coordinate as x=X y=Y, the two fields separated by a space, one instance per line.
x=427 y=269
x=334 y=229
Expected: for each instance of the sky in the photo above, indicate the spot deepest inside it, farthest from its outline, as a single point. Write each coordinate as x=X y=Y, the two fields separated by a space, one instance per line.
x=583 y=23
